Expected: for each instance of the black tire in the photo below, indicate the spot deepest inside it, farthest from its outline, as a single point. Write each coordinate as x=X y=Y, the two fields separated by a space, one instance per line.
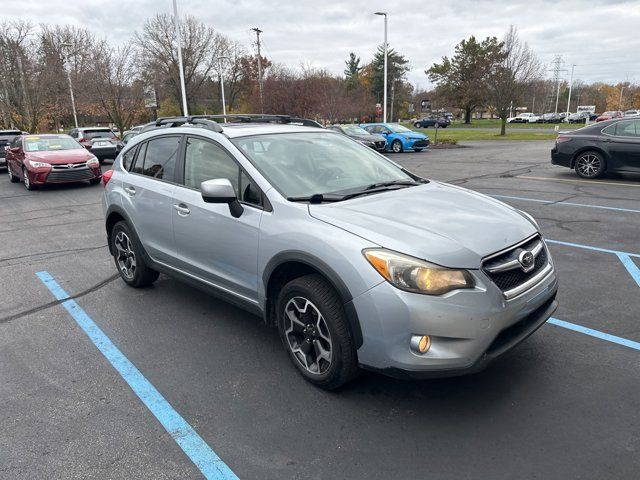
x=417 y=125
x=94 y=181
x=417 y=149
x=141 y=275
x=12 y=177
x=320 y=297
x=396 y=146
x=27 y=183
x=590 y=165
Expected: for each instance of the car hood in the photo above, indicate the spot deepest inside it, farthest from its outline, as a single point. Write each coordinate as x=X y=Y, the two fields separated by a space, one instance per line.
x=61 y=156
x=440 y=223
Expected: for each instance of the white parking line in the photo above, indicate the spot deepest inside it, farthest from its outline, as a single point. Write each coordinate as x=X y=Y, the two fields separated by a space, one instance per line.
x=592 y=182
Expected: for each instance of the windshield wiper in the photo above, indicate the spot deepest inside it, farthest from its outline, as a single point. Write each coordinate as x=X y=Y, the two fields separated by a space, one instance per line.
x=408 y=183
x=317 y=198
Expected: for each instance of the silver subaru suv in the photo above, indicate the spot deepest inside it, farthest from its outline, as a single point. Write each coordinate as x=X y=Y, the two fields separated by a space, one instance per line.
x=357 y=261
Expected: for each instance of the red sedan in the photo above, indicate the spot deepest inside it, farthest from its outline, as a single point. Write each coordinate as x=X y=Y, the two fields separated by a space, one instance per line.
x=609 y=116
x=40 y=159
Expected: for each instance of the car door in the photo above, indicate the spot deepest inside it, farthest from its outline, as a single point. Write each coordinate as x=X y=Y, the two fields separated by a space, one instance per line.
x=624 y=146
x=148 y=195
x=15 y=157
x=211 y=244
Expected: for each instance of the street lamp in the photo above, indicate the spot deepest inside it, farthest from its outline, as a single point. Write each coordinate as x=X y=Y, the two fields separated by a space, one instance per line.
x=63 y=47
x=384 y=110
x=224 y=107
x=183 y=89
x=570 y=88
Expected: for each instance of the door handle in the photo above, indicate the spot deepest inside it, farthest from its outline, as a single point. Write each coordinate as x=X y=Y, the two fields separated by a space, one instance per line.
x=130 y=190
x=182 y=209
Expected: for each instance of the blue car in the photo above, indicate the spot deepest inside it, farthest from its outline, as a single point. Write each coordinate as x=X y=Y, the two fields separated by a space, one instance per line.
x=399 y=138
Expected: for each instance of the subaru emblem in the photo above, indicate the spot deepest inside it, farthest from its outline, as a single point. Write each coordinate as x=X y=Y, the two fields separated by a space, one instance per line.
x=526 y=260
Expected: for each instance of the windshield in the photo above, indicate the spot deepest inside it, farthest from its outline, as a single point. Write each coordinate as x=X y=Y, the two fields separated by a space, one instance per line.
x=399 y=128
x=49 y=144
x=353 y=130
x=305 y=164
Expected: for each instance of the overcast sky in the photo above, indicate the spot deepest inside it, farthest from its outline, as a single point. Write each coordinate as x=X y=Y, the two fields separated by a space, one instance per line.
x=601 y=38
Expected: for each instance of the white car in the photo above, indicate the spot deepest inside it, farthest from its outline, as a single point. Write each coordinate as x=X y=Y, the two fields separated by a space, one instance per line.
x=522 y=118
x=535 y=118
x=631 y=113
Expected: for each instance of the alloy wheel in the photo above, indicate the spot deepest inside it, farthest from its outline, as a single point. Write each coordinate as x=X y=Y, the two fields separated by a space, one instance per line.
x=589 y=165
x=125 y=256
x=396 y=146
x=307 y=335
x=25 y=175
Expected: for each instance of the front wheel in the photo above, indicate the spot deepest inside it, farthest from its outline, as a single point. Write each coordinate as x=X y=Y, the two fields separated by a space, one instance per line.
x=396 y=146
x=27 y=183
x=417 y=125
x=590 y=165
x=127 y=253
x=417 y=149
x=314 y=330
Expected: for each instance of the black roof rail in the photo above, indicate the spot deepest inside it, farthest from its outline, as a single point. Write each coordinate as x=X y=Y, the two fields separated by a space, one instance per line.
x=209 y=121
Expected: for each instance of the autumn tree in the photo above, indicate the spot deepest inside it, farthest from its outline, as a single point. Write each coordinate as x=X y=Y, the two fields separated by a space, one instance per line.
x=463 y=77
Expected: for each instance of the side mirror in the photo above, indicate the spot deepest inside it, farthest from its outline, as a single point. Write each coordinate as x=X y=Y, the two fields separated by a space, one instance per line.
x=87 y=146
x=220 y=190
x=14 y=149
x=385 y=132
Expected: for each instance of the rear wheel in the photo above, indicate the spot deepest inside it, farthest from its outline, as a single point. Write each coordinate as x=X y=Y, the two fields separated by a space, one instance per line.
x=94 y=181
x=417 y=125
x=12 y=177
x=396 y=146
x=314 y=330
x=590 y=165
x=127 y=253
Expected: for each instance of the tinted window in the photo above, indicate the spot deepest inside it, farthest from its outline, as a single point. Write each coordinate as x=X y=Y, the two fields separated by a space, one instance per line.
x=127 y=158
x=249 y=192
x=160 y=158
x=106 y=133
x=137 y=167
x=629 y=128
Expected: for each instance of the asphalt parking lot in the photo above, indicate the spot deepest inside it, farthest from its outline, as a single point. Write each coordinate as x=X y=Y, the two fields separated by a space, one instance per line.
x=564 y=404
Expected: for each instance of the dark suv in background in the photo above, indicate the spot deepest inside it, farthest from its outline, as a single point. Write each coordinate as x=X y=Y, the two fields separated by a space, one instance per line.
x=101 y=141
x=6 y=137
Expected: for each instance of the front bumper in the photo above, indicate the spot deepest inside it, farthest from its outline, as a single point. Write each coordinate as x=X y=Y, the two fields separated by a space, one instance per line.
x=418 y=143
x=41 y=176
x=468 y=328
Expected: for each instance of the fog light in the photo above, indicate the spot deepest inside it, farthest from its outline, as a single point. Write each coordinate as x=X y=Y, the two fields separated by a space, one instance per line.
x=420 y=343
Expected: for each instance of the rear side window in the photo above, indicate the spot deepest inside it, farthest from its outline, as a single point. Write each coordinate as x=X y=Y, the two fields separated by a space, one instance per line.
x=127 y=158
x=139 y=161
x=160 y=158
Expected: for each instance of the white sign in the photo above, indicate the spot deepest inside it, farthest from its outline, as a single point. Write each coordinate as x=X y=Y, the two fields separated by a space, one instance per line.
x=150 y=98
x=586 y=108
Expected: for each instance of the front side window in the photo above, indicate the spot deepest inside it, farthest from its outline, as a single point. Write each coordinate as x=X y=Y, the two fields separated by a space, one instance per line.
x=160 y=158
x=204 y=160
x=304 y=164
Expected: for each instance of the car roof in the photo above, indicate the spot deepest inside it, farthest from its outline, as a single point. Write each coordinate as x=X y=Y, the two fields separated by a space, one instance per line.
x=100 y=129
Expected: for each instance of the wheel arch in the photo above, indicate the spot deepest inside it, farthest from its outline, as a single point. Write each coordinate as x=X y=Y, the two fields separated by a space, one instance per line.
x=589 y=148
x=289 y=265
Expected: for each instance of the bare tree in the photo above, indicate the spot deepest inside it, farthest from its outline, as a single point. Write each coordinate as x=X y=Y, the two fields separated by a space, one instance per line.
x=115 y=83
x=200 y=48
x=512 y=76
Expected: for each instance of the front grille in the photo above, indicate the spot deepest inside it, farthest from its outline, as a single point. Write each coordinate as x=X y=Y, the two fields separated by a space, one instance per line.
x=381 y=144
x=71 y=175
x=67 y=166
x=421 y=143
x=513 y=275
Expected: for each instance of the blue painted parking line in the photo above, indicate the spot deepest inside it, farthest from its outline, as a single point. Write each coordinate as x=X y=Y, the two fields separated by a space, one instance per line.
x=201 y=454
x=589 y=247
x=572 y=204
x=631 y=267
x=595 y=333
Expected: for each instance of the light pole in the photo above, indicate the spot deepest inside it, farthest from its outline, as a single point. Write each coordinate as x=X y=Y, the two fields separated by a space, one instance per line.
x=63 y=47
x=384 y=109
x=224 y=107
x=621 y=90
x=570 y=88
x=183 y=89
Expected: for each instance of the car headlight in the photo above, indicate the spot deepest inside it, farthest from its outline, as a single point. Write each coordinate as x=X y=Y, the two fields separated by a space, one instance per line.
x=38 y=164
x=93 y=161
x=530 y=218
x=415 y=275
